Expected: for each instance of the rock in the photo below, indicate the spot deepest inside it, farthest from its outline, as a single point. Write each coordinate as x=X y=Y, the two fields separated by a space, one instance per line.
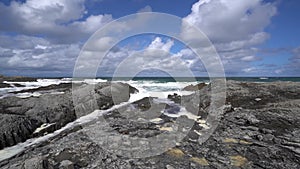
x=174 y=109
x=251 y=134
x=88 y=98
x=260 y=137
x=194 y=87
x=268 y=137
x=4 y=85
x=20 y=117
x=157 y=121
x=238 y=161
x=66 y=164
x=36 y=163
x=175 y=98
x=18 y=85
x=49 y=108
x=54 y=87
x=15 y=129
x=44 y=129
x=143 y=104
x=169 y=167
x=17 y=79
x=193 y=135
x=266 y=131
x=175 y=152
x=252 y=128
x=200 y=161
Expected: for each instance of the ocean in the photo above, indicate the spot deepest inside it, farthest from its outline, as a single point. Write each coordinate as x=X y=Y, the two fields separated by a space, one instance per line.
x=148 y=86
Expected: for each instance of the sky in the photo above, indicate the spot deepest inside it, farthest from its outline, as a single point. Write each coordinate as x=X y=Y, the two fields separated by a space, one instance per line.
x=43 y=38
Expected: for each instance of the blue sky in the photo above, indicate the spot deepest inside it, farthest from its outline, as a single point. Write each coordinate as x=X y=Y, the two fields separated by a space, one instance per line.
x=252 y=37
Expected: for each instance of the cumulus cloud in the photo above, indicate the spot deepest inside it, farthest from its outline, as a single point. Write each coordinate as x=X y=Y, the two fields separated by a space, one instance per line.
x=49 y=36
x=235 y=28
x=61 y=21
x=227 y=20
x=36 y=56
x=145 y=9
x=157 y=55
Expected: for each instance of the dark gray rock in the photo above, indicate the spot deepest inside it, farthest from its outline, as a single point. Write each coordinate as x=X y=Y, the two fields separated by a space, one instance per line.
x=88 y=98
x=4 y=85
x=17 y=79
x=62 y=87
x=66 y=164
x=21 y=117
x=196 y=87
x=36 y=163
x=15 y=129
x=252 y=133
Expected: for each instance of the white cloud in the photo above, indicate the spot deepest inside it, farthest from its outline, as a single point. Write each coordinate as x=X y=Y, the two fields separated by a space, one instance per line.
x=59 y=20
x=48 y=36
x=145 y=9
x=37 y=56
x=157 y=55
x=249 y=70
x=235 y=28
x=158 y=44
x=227 y=20
x=92 y=23
x=37 y=11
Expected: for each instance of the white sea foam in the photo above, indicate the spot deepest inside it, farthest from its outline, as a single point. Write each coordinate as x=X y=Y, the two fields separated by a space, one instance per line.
x=146 y=88
x=5 y=92
x=94 y=81
x=263 y=78
x=26 y=95
x=149 y=88
x=55 y=93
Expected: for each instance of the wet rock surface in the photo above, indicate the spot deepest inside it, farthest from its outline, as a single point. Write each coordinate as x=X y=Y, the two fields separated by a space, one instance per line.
x=258 y=129
x=20 y=117
x=15 y=129
x=4 y=79
x=194 y=87
x=62 y=87
x=17 y=79
x=4 y=85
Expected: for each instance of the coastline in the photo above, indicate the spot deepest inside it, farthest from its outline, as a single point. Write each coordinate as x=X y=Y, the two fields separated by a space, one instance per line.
x=258 y=118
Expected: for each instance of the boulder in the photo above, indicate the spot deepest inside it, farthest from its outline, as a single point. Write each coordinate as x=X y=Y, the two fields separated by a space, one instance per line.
x=88 y=98
x=15 y=129
x=4 y=85
x=21 y=117
x=194 y=87
x=17 y=79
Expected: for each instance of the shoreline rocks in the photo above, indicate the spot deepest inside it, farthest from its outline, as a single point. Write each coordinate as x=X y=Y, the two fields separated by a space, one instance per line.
x=250 y=133
x=17 y=79
x=21 y=116
x=196 y=87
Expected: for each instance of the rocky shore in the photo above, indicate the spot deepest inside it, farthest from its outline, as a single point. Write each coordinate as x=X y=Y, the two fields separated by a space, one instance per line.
x=260 y=128
x=14 y=79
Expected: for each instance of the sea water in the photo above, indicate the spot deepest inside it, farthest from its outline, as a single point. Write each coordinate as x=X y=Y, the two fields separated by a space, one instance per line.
x=159 y=87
